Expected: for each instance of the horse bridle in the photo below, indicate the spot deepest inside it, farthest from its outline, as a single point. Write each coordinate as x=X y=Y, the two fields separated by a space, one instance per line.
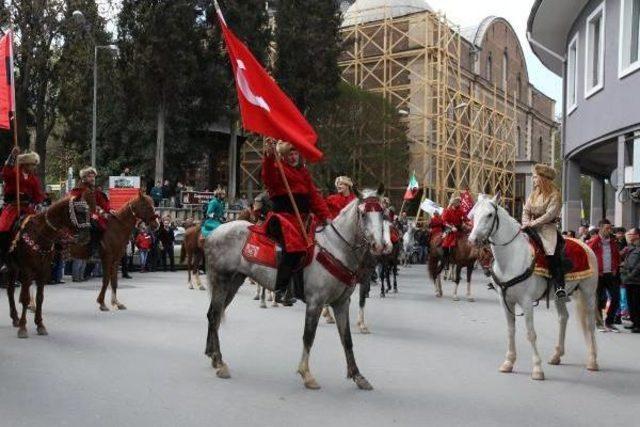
x=370 y=204
x=495 y=224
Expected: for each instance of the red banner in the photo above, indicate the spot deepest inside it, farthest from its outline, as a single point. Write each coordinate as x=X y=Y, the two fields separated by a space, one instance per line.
x=118 y=197
x=466 y=202
x=7 y=93
x=264 y=107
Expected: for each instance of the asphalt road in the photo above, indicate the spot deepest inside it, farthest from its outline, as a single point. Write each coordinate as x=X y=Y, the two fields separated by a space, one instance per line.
x=431 y=361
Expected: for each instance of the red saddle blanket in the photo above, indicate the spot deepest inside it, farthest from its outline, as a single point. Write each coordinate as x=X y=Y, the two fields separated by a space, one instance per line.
x=575 y=251
x=262 y=249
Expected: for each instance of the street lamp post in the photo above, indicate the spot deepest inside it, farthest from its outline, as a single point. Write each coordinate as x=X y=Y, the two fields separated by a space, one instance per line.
x=80 y=19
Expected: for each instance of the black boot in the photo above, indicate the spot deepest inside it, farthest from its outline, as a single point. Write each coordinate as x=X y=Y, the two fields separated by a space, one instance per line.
x=283 y=278
x=557 y=276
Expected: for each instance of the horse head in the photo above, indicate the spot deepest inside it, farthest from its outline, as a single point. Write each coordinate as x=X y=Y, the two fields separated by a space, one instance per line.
x=485 y=215
x=142 y=208
x=373 y=225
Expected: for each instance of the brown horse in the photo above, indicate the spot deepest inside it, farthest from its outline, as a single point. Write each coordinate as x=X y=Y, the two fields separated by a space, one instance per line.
x=193 y=252
x=114 y=241
x=464 y=255
x=32 y=253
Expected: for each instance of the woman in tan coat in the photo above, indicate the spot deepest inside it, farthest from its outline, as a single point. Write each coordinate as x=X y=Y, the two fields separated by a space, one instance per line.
x=541 y=214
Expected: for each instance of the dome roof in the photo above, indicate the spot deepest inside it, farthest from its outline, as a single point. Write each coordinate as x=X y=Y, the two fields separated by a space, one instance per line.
x=374 y=10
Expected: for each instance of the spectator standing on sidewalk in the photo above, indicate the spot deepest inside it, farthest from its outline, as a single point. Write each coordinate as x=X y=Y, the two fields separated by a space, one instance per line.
x=156 y=194
x=144 y=242
x=631 y=279
x=606 y=249
x=167 y=239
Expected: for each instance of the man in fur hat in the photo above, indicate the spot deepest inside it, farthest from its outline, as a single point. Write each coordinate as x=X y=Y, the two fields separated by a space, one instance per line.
x=102 y=208
x=541 y=214
x=344 y=196
x=31 y=194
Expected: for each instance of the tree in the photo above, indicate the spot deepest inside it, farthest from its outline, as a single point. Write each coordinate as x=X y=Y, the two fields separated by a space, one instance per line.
x=308 y=41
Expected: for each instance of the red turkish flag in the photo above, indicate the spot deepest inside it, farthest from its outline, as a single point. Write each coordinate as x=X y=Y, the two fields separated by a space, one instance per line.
x=264 y=107
x=467 y=202
x=7 y=93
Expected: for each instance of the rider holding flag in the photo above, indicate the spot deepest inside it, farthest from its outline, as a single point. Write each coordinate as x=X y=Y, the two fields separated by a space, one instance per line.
x=453 y=217
x=282 y=222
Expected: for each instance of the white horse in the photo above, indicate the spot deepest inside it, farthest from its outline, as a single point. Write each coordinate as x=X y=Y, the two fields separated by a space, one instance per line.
x=513 y=259
x=358 y=229
x=408 y=242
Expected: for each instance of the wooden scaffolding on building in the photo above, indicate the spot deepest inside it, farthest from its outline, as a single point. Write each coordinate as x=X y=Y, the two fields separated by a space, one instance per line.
x=459 y=138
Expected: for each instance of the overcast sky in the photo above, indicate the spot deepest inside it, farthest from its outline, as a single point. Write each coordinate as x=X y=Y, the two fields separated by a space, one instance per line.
x=470 y=12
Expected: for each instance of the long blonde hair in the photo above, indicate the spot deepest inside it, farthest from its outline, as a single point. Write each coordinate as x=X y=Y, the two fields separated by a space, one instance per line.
x=545 y=188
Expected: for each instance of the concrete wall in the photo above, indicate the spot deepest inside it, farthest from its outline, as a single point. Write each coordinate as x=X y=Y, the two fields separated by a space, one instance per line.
x=616 y=105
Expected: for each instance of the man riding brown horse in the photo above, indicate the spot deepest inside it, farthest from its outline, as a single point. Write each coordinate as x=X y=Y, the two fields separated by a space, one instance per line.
x=31 y=195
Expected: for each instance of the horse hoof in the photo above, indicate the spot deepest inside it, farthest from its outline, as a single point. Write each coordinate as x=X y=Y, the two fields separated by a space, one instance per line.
x=395 y=291
x=312 y=384
x=22 y=333
x=223 y=372
x=506 y=368
x=471 y=299
x=593 y=367
x=456 y=298
x=190 y=286
x=537 y=375
x=120 y=306
x=202 y=288
x=362 y=383
x=364 y=330
x=263 y=305
x=16 y=323
x=256 y=298
x=555 y=360
x=42 y=331
x=382 y=296
x=270 y=298
x=104 y=307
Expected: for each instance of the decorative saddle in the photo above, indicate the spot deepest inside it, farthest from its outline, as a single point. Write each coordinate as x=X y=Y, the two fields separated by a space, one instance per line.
x=574 y=251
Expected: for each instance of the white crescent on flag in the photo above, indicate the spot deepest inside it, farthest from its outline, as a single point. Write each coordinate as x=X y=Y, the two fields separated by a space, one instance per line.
x=244 y=87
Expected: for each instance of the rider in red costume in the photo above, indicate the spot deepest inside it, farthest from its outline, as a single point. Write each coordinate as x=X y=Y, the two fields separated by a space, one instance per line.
x=102 y=210
x=282 y=223
x=453 y=218
x=31 y=194
x=344 y=196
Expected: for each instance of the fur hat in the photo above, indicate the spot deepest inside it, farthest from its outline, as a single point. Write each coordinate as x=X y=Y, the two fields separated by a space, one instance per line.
x=30 y=158
x=219 y=192
x=455 y=197
x=86 y=171
x=344 y=180
x=545 y=171
x=283 y=148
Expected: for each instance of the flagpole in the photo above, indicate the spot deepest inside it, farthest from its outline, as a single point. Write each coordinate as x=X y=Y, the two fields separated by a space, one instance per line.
x=15 y=128
x=293 y=201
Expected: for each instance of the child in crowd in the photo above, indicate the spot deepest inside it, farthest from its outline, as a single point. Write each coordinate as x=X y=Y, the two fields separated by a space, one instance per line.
x=144 y=241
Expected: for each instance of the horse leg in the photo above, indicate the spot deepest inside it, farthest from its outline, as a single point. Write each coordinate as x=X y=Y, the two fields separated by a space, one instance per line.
x=362 y=325
x=11 y=288
x=103 y=290
x=310 y=326
x=263 y=293
x=214 y=316
x=189 y=270
x=198 y=282
x=510 y=358
x=257 y=296
x=563 y=316
x=114 y=287
x=24 y=300
x=586 y=308
x=40 y=328
x=382 y=273
x=469 y=273
x=395 y=278
x=341 y=311
x=326 y=313
x=536 y=372
x=456 y=271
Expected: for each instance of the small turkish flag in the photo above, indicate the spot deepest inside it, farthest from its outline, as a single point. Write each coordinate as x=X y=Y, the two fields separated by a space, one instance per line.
x=7 y=93
x=264 y=107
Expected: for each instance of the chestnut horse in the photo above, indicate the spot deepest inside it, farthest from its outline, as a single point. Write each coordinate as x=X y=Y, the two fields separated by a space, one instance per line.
x=32 y=253
x=193 y=252
x=464 y=255
x=114 y=241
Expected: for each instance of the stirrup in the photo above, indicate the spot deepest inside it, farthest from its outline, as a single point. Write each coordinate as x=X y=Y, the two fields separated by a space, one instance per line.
x=561 y=294
x=283 y=298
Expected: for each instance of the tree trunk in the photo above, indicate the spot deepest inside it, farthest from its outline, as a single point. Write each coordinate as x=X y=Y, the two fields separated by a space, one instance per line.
x=160 y=143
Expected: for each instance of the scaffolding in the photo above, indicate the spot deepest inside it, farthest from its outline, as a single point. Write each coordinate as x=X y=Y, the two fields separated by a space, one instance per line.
x=460 y=136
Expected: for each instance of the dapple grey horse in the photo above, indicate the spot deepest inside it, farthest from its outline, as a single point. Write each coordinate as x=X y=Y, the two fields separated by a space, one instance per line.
x=357 y=230
x=512 y=258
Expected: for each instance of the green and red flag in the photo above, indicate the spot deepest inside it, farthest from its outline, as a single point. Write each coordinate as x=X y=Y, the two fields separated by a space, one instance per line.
x=412 y=188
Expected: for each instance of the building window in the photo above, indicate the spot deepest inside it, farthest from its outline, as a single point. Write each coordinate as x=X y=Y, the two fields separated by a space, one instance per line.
x=540 y=159
x=572 y=75
x=519 y=86
x=594 y=58
x=629 y=55
x=505 y=70
x=518 y=142
x=489 y=67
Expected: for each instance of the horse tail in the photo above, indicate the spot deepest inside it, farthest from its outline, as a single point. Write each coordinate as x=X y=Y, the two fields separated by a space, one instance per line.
x=183 y=251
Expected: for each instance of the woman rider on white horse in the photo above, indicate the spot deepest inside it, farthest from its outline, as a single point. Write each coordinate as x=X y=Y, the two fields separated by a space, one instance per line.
x=540 y=215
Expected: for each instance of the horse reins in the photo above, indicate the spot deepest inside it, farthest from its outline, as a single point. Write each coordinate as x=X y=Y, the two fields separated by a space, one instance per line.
x=495 y=224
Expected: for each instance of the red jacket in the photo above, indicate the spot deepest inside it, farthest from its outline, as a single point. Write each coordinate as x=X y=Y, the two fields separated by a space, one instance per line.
x=337 y=202
x=453 y=217
x=596 y=246
x=300 y=182
x=30 y=185
x=436 y=224
x=102 y=200
x=144 y=241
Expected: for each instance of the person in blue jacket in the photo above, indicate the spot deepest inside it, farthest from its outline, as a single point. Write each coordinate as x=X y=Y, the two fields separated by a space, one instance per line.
x=215 y=213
